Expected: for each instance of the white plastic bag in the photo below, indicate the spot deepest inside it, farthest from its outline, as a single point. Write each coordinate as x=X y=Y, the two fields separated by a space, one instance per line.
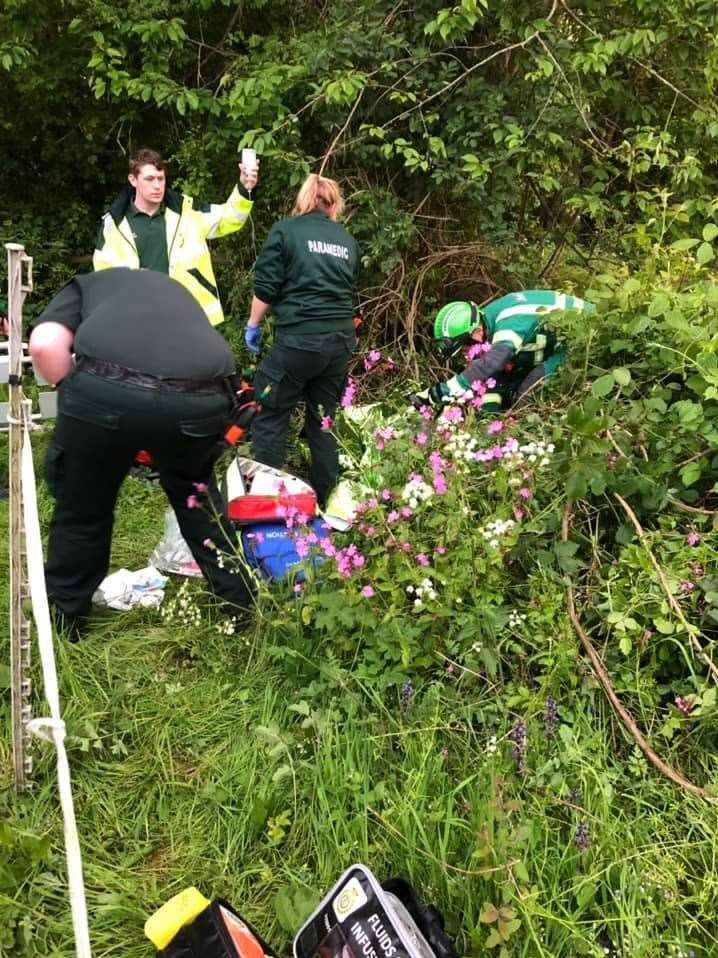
x=125 y=590
x=172 y=552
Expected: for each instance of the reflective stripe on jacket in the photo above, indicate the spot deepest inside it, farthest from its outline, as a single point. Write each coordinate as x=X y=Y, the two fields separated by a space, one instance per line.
x=188 y=224
x=517 y=320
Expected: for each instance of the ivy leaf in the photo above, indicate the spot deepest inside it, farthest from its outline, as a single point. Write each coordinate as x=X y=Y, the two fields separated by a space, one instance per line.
x=690 y=473
x=705 y=254
x=603 y=386
x=710 y=231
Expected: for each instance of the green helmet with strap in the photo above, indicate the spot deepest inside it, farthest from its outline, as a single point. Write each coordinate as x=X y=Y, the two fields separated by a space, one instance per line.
x=454 y=325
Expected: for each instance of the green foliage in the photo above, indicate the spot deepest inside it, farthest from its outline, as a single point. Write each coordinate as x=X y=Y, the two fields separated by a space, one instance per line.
x=516 y=120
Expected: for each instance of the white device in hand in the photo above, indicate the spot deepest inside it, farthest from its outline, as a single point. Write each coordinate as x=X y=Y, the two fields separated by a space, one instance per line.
x=249 y=159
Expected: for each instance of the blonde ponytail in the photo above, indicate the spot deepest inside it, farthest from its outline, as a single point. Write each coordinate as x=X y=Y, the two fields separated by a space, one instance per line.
x=318 y=193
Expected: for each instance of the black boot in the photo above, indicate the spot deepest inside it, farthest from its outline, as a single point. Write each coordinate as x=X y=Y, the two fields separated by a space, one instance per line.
x=70 y=627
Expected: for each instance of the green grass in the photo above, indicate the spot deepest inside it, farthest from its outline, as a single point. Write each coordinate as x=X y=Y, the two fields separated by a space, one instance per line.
x=259 y=775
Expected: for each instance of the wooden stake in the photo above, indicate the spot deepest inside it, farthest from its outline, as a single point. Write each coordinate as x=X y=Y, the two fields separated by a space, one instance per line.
x=19 y=626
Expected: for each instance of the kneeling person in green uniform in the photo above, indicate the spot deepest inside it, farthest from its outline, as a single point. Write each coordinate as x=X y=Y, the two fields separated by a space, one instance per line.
x=519 y=348
x=149 y=372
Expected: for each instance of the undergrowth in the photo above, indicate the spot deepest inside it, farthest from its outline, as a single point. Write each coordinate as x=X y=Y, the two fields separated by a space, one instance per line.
x=423 y=705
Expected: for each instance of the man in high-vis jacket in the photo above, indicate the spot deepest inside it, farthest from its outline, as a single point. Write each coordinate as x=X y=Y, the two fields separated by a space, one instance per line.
x=516 y=347
x=149 y=226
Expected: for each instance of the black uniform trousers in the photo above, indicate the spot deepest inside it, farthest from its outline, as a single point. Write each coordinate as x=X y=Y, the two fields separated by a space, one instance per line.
x=100 y=427
x=287 y=376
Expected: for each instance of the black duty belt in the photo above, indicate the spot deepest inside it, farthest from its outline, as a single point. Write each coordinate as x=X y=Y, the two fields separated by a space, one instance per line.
x=133 y=377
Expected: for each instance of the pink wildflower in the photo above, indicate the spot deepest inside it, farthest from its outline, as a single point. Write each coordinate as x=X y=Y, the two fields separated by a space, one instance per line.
x=683 y=705
x=440 y=550
x=421 y=439
x=438 y=464
x=347 y=400
x=367 y=592
x=422 y=559
x=525 y=493
x=371 y=359
x=208 y=544
x=302 y=547
x=393 y=517
x=299 y=587
x=327 y=547
x=192 y=502
x=687 y=586
x=387 y=495
x=439 y=484
x=406 y=547
x=406 y=512
x=452 y=414
x=692 y=539
x=426 y=412
x=519 y=514
x=200 y=486
x=494 y=427
x=327 y=423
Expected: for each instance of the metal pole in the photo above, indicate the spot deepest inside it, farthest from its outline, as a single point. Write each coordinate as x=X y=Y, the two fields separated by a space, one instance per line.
x=19 y=625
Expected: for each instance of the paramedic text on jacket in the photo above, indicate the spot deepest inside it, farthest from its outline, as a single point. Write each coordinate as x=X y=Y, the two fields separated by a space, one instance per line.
x=150 y=226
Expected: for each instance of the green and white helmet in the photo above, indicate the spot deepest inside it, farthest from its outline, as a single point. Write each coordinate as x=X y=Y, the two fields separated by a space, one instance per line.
x=456 y=320
x=454 y=325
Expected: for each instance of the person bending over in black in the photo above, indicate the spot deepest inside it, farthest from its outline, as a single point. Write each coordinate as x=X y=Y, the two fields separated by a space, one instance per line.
x=149 y=372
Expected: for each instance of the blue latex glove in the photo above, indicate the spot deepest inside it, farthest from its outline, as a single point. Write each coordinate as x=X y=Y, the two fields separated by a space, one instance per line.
x=253 y=338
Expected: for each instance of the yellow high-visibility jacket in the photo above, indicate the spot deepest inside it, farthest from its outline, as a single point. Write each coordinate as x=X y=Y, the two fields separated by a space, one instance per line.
x=189 y=223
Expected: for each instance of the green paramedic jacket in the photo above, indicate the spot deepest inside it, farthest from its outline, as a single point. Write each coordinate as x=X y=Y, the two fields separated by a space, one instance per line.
x=515 y=325
x=189 y=223
x=308 y=271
